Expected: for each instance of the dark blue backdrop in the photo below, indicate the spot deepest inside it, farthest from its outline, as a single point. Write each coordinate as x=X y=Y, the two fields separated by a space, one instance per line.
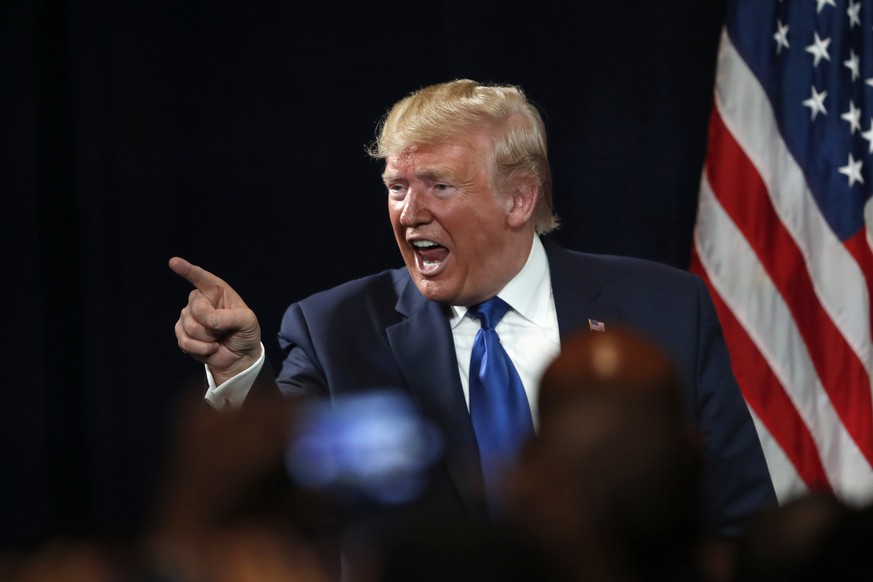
x=233 y=133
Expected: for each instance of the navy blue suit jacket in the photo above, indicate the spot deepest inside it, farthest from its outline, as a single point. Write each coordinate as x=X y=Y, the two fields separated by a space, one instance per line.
x=380 y=332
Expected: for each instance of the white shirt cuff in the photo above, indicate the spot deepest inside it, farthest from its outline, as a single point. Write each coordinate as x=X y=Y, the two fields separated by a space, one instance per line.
x=232 y=392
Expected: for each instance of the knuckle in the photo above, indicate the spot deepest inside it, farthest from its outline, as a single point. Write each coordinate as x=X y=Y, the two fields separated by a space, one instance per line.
x=190 y=327
x=179 y=330
x=185 y=344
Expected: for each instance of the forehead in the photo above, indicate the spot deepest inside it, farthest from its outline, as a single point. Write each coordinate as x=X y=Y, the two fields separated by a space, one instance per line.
x=460 y=156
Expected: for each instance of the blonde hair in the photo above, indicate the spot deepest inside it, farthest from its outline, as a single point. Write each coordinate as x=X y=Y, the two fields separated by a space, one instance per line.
x=439 y=112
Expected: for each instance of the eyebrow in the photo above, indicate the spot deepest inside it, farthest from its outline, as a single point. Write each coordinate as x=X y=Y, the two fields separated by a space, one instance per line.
x=432 y=174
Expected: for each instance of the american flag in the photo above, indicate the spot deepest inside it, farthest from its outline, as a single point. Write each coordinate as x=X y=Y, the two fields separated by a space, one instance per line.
x=783 y=233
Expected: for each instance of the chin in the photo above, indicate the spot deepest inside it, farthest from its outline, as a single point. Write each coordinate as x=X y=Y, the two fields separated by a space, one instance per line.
x=433 y=291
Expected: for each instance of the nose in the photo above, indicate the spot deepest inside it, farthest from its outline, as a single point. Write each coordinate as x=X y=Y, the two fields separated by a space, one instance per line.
x=415 y=210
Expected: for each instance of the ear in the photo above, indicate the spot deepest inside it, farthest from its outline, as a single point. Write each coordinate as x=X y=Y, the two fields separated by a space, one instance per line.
x=524 y=200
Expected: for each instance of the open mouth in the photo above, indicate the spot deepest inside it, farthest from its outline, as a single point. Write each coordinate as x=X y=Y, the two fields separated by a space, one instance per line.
x=429 y=256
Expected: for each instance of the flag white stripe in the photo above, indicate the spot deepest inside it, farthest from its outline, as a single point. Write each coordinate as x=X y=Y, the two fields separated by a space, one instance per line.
x=868 y=222
x=786 y=481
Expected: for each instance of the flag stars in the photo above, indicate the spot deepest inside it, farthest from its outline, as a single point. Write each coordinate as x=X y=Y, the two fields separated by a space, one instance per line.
x=854 y=64
x=852 y=170
x=816 y=103
x=853 y=12
x=853 y=116
x=822 y=4
x=781 y=36
x=819 y=49
x=868 y=135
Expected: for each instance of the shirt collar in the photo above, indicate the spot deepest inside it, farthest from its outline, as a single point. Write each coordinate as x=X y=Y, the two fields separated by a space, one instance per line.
x=528 y=293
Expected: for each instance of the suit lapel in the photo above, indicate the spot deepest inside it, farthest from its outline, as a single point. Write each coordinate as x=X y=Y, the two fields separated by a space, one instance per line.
x=425 y=353
x=578 y=291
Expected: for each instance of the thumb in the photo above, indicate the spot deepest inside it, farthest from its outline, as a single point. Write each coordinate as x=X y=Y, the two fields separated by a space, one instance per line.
x=215 y=295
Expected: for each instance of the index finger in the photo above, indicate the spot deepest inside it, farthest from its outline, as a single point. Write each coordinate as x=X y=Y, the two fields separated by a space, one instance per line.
x=197 y=276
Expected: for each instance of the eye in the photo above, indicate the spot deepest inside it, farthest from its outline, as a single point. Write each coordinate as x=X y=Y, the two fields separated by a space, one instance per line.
x=397 y=190
x=442 y=189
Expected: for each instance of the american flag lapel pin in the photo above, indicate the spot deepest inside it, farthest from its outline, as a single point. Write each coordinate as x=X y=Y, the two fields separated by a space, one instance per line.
x=595 y=325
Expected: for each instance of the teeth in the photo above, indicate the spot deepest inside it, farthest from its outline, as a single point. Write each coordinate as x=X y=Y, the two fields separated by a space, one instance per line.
x=424 y=244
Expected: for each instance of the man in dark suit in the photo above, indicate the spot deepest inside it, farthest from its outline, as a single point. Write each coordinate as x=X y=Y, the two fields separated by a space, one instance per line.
x=469 y=198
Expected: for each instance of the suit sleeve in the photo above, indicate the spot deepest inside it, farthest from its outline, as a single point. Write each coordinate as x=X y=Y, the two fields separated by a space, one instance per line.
x=301 y=373
x=736 y=481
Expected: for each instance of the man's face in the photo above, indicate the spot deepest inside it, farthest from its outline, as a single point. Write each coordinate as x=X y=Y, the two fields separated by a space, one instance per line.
x=461 y=240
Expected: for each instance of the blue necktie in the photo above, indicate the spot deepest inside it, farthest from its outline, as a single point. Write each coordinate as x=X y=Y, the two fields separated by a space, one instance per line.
x=498 y=404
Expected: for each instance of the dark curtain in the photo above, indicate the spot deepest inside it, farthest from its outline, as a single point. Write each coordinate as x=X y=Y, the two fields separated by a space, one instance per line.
x=233 y=134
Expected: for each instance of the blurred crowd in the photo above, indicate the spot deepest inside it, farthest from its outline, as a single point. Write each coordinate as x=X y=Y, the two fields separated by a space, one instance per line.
x=606 y=491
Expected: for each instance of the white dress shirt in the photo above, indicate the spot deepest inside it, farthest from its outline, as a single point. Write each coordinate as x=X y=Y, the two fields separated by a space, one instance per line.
x=529 y=331
x=529 y=334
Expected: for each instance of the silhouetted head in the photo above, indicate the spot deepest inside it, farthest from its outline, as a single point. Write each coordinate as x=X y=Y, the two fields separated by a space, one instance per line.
x=610 y=481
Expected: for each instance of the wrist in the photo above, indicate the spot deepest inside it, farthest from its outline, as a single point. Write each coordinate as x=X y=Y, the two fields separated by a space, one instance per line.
x=242 y=365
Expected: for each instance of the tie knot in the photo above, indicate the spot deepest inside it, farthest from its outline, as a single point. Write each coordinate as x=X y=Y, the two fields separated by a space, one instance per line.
x=490 y=312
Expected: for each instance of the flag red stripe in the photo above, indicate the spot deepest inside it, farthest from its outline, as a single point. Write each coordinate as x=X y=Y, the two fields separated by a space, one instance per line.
x=766 y=395
x=743 y=195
